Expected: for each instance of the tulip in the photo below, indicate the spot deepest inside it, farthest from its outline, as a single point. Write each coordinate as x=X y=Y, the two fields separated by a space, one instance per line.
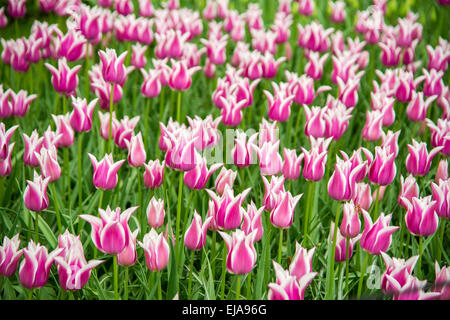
x=5 y=165
x=145 y=8
x=418 y=161
x=272 y=190
x=373 y=127
x=206 y=131
x=5 y=137
x=377 y=237
x=382 y=102
x=3 y=18
x=252 y=221
x=20 y=102
x=17 y=8
x=270 y=161
x=195 y=236
x=382 y=169
x=437 y=58
x=155 y=213
x=138 y=59
x=441 y=171
x=104 y=125
x=35 y=194
x=48 y=162
x=337 y=11
x=243 y=151
x=197 y=178
x=441 y=284
x=154 y=174
x=71 y=45
x=128 y=256
x=291 y=164
x=124 y=7
x=282 y=214
x=440 y=134
x=280 y=105
x=64 y=129
x=301 y=264
x=232 y=110
x=350 y=225
x=6 y=109
x=227 y=213
x=81 y=116
x=225 y=178
x=406 y=85
x=124 y=131
x=89 y=23
x=421 y=217
x=64 y=79
x=181 y=76
x=390 y=139
x=73 y=269
x=9 y=256
x=314 y=166
x=156 y=250
x=418 y=107
x=181 y=154
x=136 y=151
x=341 y=245
x=288 y=286
x=241 y=257
x=398 y=270
x=433 y=84
x=314 y=67
x=411 y=289
x=113 y=69
x=105 y=171
x=362 y=197
x=110 y=232
x=33 y=145
x=151 y=87
x=441 y=194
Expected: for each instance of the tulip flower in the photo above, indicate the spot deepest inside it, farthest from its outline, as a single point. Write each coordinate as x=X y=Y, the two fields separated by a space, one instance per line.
x=441 y=194
x=64 y=79
x=252 y=221
x=3 y=18
x=440 y=135
x=17 y=8
x=156 y=250
x=362 y=197
x=9 y=256
x=243 y=150
x=20 y=102
x=73 y=269
x=154 y=174
x=373 y=127
x=136 y=151
x=195 y=236
x=33 y=145
x=397 y=269
x=6 y=165
x=433 y=84
x=206 y=131
x=138 y=59
x=197 y=178
x=418 y=107
x=110 y=232
x=441 y=284
x=314 y=67
x=282 y=214
x=272 y=190
x=105 y=171
x=81 y=116
x=113 y=69
x=288 y=286
x=270 y=161
x=280 y=103
x=291 y=164
x=225 y=177
x=181 y=76
x=35 y=267
x=418 y=161
x=382 y=169
x=241 y=257
x=128 y=256
x=301 y=264
x=350 y=225
x=71 y=45
x=125 y=131
x=377 y=237
x=441 y=171
x=314 y=166
x=151 y=87
x=390 y=139
x=155 y=213
x=35 y=194
x=412 y=289
x=48 y=162
x=5 y=137
x=421 y=217
x=64 y=129
x=181 y=153
x=227 y=213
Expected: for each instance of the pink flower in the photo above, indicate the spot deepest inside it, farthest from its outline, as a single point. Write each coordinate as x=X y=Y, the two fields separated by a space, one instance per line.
x=341 y=245
x=81 y=116
x=155 y=213
x=73 y=269
x=232 y=110
x=181 y=153
x=113 y=69
x=9 y=256
x=129 y=255
x=314 y=165
x=20 y=102
x=48 y=162
x=406 y=85
x=382 y=169
x=33 y=145
x=306 y=7
x=440 y=135
x=441 y=284
x=377 y=237
x=441 y=171
x=17 y=8
x=151 y=87
x=362 y=197
x=243 y=151
x=227 y=213
x=314 y=67
x=35 y=267
x=197 y=178
x=398 y=270
x=5 y=137
x=301 y=264
x=282 y=214
x=418 y=107
x=270 y=161
x=390 y=139
x=350 y=225
x=418 y=161
x=288 y=286
x=252 y=221
x=136 y=151
x=241 y=257
x=280 y=104
x=181 y=76
x=124 y=7
x=104 y=125
x=195 y=236
x=205 y=130
x=3 y=18
x=272 y=190
x=64 y=79
x=441 y=194
x=110 y=232
x=421 y=217
x=105 y=171
x=35 y=194
x=145 y=8
x=5 y=164
x=409 y=189
x=64 y=129
x=156 y=250
x=71 y=46
x=337 y=11
x=225 y=178
x=154 y=174
x=390 y=55
x=291 y=164
x=89 y=23
x=125 y=130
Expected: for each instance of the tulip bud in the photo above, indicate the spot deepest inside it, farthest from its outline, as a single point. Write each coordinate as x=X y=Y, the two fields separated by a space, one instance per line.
x=350 y=225
x=136 y=151
x=241 y=257
x=282 y=214
x=156 y=250
x=154 y=174
x=128 y=256
x=418 y=161
x=35 y=194
x=195 y=236
x=377 y=237
x=155 y=213
x=10 y=255
x=105 y=171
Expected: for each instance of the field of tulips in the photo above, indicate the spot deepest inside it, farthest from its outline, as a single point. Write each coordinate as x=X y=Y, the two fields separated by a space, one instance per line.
x=224 y=150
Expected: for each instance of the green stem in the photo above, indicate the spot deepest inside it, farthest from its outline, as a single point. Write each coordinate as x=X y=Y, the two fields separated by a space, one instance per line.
x=249 y=285
x=141 y=208
x=280 y=246
x=147 y=114
x=224 y=269
x=213 y=252
x=180 y=196
x=58 y=217
x=308 y=209
x=80 y=177
x=441 y=239
x=126 y=283
x=377 y=200
x=267 y=253
x=161 y=103
x=347 y=263
x=116 y=278
x=180 y=93
x=159 y=286
x=36 y=227
x=330 y=291
x=419 y=267
x=238 y=286
x=30 y=294
x=361 y=277
x=110 y=142
x=191 y=265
